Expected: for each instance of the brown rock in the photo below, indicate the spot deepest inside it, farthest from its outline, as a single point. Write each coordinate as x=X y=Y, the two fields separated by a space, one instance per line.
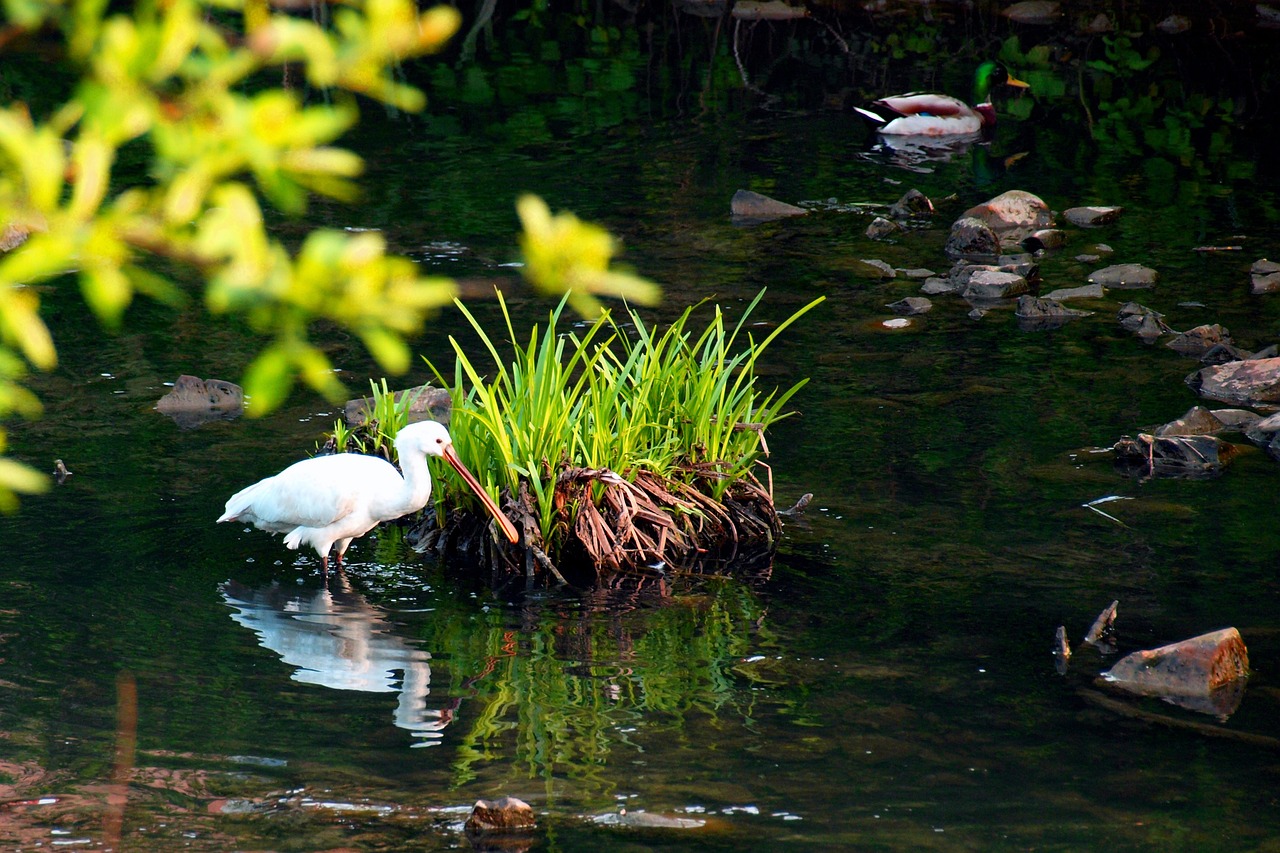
x=193 y=401
x=1194 y=667
x=1201 y=339
x=506 y=814
x=1014 y=210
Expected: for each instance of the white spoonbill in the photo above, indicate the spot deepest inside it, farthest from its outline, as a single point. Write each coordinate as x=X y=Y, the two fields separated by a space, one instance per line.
x=330 y=500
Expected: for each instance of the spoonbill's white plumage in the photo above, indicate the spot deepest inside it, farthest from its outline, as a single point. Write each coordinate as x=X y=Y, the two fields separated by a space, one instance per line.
x=330 y=500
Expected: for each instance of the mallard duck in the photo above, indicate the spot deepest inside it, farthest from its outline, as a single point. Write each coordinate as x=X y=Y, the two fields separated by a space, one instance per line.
x=924 y=114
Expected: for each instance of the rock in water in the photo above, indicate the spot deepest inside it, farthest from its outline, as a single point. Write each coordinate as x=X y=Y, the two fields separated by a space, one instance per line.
x=993 y=284
x=972 y=238
x=1091 y=217
x=1201 y=339
x=507 y=814
x=1197 y=421
x=1264 y=277
x=1124 y=276
x=1249 y=383
x=1187 y=456
x=911 y=305
x=193 y=401
x=1013 y=214
x=912 y=204
x=1142 y=321
x=753 y=207
x=1192 y=668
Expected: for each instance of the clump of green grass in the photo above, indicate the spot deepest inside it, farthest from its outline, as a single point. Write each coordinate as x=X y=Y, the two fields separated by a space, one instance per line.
x=624 y=437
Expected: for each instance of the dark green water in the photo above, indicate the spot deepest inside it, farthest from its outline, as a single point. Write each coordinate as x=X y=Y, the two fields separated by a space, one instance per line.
x=890 y=686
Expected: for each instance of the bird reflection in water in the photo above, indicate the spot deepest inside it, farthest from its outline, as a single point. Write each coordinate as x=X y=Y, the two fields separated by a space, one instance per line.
x=338 y=639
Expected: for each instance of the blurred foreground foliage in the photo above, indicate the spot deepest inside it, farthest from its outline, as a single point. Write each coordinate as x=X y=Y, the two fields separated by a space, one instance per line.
x=185 y=83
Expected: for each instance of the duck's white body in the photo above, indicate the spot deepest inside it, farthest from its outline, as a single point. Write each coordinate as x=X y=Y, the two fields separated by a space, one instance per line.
x=330 y=500
x=924 y=114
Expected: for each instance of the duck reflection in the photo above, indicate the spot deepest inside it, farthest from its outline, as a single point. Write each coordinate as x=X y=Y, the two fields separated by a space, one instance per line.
x=338 y=639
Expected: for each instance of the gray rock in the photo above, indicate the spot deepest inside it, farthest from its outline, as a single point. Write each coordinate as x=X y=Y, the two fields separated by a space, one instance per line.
x=917 y=273
x=1221 y=353
x=1250 y=383
x=936 y=286
x=911 y=305
x=1124 y=276
x=1033 y=307
x=972 y=238
x=884 y=270
x=1265 y=432
x=1262 y=266
x=880 y=228
x=1088 y=259
x=1041 y=314
x=1091 y=217
x=1088 y=291
x=1197 y=421
x=751 y=206
x=994 y=284
x=1142 y=321
x=1103 y=249
x=1237 y=420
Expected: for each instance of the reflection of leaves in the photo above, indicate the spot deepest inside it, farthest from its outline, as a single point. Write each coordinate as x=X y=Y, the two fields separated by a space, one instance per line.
x=556 y=694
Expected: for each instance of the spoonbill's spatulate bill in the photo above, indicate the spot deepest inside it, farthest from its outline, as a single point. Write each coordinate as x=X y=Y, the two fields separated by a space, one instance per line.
x=330 y=500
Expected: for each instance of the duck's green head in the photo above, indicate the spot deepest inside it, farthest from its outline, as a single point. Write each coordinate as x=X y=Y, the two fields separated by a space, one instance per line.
x=989 y=75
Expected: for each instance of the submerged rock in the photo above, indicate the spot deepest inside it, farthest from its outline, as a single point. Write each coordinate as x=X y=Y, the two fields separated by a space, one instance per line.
x=751 y=206
x=1125 y=276
x=1087 y=291
x=911 y=305
x=1092 y=216
x=194 y=401
x=1036 y=314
